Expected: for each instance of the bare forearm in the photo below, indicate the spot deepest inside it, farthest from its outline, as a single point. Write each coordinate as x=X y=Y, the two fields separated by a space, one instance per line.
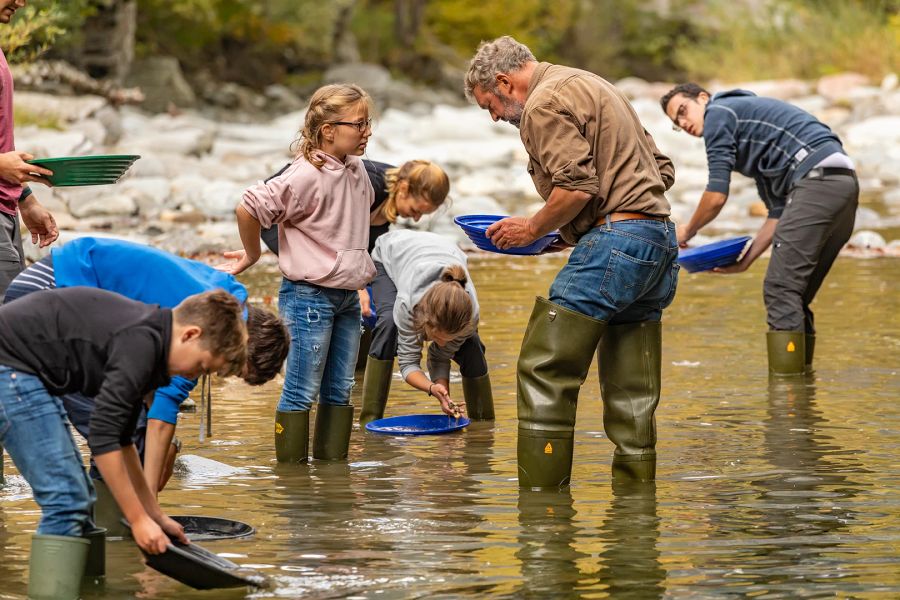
x=562 y=206
x=249 y=230
x=419 y=380
x=710 y=206
x=159 y=438
x=762 y=241
x=113 y=468
x=136 y=474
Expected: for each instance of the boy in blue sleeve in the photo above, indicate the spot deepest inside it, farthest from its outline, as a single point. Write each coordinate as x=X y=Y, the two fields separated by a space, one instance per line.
x=117 y=351
x=153 y=276
x=806 y=181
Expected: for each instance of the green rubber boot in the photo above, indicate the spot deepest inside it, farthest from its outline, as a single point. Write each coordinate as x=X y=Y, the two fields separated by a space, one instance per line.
x=292 y=436
x=95 y=566
x=787 y=352
x=332 y=437
x=630 y=365
x=56 y=566
x=556 y=354
x=809 y=350
x=479 y=397
x=107 y=513
x=376 y=385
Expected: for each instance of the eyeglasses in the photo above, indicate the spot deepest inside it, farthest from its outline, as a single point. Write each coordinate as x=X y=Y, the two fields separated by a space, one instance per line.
x=679 y=114
x=359 y=125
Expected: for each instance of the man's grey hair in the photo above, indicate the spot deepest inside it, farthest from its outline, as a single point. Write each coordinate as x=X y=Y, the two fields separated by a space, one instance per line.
x=502 y=55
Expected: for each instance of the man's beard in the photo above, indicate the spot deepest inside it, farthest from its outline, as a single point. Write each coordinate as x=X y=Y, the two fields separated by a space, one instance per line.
x=512 y=110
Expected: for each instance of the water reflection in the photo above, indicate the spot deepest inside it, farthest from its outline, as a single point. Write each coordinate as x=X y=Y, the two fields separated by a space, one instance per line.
x=547 y=552
x=788 y=529
x=630 y=565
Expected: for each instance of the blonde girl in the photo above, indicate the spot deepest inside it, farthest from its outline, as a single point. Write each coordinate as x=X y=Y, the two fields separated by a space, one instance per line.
x=322 y=202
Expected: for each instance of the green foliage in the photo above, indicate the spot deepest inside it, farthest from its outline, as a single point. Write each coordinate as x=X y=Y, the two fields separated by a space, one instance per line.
x=39 y=25
x=796 y=38
x=248 y=42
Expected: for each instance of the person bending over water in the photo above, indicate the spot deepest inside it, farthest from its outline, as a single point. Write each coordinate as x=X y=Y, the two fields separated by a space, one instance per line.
x=423 y=292
x=153 y=276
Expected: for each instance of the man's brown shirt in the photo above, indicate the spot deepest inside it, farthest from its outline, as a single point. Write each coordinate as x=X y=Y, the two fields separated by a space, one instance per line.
x=582 y=134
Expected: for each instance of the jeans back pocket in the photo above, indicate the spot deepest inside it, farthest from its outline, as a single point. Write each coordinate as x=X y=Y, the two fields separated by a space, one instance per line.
x=626 y=278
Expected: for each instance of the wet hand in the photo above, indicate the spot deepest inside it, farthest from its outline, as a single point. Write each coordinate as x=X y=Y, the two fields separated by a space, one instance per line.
x=684 y=235
x=149 y=536
x=240 y=262
x=15 y=170
x=738 y=267
x=39 y=221
x=173 y=528
x=511 y=232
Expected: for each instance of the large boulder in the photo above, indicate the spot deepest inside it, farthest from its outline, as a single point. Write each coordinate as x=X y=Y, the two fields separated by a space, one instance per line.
x=162 y=82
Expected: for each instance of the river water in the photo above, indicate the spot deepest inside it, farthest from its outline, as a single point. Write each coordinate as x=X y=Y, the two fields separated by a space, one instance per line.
x=784 y=489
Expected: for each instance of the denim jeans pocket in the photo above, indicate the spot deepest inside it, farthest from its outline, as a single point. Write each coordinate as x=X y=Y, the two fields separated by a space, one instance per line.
x=671 y=281
x=626 y=277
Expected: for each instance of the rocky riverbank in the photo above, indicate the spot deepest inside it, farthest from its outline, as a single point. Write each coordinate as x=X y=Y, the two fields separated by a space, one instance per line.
x=181 y=194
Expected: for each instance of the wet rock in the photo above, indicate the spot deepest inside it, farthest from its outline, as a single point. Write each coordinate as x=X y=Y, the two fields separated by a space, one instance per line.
x=100 y=201
x=46 y=143
x=866 y=240
x=840 y=87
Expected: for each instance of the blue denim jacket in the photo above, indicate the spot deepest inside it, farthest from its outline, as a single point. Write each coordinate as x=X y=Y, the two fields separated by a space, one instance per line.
x=773 y=142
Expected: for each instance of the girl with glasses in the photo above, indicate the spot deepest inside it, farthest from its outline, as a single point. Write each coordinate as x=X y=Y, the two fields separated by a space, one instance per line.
x=322 y=202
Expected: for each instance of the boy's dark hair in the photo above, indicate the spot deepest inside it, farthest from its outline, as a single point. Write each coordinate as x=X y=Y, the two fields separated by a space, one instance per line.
x=219 y=315
x=267 y=345
x=689 y=90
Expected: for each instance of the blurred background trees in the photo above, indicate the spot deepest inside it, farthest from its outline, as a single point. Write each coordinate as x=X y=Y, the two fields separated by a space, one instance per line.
x=430 y=41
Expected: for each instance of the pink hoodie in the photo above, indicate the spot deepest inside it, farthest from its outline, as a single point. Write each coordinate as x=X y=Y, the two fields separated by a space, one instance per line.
x=324 y=217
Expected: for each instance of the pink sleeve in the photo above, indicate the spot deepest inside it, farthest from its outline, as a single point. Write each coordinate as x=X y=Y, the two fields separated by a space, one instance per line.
x=272 y=201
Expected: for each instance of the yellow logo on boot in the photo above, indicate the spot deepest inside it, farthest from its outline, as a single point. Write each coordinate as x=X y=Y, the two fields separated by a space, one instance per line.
x=278 y=428
x=548 y=449
x=791 y=347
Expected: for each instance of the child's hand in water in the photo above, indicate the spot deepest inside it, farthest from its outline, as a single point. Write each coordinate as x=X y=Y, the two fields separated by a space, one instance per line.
x=448 y=406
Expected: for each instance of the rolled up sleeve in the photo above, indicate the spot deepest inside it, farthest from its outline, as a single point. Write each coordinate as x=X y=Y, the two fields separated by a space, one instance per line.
x=555 y=139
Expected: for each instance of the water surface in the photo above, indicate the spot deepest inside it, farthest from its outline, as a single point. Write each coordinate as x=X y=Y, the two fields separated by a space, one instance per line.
x=786 y=489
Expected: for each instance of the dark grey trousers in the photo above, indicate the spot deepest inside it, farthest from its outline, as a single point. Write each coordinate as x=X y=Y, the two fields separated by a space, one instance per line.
x=469 y=357
x=816 y=223
x=12 y=256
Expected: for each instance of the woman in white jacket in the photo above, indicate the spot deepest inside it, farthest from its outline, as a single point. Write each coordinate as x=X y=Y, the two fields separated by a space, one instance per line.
x=423 y=292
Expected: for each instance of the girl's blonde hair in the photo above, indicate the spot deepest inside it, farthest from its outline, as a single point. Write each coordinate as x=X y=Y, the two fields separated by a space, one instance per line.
x=425 y=180
x=446 y=306
x=327 y=104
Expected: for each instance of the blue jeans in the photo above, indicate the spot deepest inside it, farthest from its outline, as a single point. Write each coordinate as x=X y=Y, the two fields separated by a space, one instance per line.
x=622 y=272
x=33 y=430
x=324 y=326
